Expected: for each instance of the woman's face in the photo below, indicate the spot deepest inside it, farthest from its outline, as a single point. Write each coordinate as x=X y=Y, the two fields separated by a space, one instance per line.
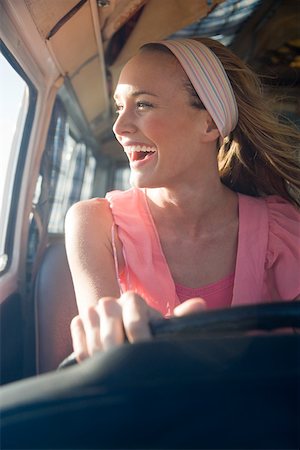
x=158 y=128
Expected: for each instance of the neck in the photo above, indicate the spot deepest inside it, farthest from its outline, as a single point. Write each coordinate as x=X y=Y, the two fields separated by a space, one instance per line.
x=193 y=209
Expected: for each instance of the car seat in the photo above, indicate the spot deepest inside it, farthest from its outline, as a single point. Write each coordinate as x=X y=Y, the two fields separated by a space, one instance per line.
x=55 y=306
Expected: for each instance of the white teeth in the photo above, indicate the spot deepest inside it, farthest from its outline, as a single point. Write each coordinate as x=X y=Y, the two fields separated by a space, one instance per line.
x=138 y=148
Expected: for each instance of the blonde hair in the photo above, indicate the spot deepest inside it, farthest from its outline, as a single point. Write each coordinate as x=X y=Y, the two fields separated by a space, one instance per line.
x=261 y=155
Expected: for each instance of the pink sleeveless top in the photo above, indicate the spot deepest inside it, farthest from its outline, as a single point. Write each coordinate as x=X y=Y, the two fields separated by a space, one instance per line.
x=267 y=263
x=216 y=295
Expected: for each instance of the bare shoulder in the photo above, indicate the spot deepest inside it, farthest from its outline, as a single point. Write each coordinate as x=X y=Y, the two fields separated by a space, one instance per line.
x=87 y=215
x=88 y=230
x=97 y=207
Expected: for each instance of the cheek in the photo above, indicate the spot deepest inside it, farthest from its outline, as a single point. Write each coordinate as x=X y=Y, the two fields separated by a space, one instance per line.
x=162 y=129
x=154 y=128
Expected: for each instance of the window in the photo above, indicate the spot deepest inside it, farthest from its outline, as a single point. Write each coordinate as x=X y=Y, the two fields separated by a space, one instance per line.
x=122 y=176
x=66 y=175
x=75 y=181
x=17 y=101
x=89 y=174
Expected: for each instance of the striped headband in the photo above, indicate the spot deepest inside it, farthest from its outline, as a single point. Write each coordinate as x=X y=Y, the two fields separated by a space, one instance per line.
x=206 y=73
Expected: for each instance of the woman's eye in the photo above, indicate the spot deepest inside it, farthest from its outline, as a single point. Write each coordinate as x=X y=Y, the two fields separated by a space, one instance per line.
x=143 y=105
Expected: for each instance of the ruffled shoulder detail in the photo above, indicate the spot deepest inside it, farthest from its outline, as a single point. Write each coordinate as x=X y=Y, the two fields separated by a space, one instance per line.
x=283 y=248
x=146 y=270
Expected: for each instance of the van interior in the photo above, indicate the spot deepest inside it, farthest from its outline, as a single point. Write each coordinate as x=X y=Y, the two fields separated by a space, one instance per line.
x=59 y=65
x=69 y=54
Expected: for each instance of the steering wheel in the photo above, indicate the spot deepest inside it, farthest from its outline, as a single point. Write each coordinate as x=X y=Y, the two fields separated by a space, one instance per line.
x=199 y=376
x=222 y=322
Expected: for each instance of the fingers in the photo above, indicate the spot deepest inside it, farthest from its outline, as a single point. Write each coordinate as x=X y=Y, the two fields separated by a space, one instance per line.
x=91 y=324
x=100 y=328
x=136 y=315
x=79 y=339
x=85 y=334
x=110 y=329
x=106 y=325
x=193 y=305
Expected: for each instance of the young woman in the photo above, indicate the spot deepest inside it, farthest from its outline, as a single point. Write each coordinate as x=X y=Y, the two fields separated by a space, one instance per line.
x=212 y=219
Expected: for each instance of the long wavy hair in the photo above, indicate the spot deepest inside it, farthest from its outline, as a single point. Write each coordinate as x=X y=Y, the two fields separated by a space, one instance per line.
x=261 y=156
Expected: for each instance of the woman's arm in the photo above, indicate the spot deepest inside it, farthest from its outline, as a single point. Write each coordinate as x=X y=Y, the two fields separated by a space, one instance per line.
x=89 y=249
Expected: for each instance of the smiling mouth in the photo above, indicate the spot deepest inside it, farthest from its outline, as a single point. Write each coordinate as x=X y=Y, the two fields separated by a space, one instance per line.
x=139 y=152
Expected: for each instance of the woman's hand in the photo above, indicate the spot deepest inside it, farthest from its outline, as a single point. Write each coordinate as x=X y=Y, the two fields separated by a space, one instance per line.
x=112 y=321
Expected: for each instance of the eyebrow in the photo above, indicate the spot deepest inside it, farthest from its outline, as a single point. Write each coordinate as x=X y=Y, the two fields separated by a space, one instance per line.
x=138 y=93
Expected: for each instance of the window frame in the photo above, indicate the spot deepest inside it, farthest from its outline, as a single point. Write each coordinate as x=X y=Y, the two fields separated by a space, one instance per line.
x=22 y=154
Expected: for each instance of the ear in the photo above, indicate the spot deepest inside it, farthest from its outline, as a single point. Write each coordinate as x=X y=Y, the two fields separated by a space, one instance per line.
x=211 y=132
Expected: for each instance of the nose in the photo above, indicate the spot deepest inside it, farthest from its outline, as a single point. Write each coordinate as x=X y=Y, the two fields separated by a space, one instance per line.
x=124 y=124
